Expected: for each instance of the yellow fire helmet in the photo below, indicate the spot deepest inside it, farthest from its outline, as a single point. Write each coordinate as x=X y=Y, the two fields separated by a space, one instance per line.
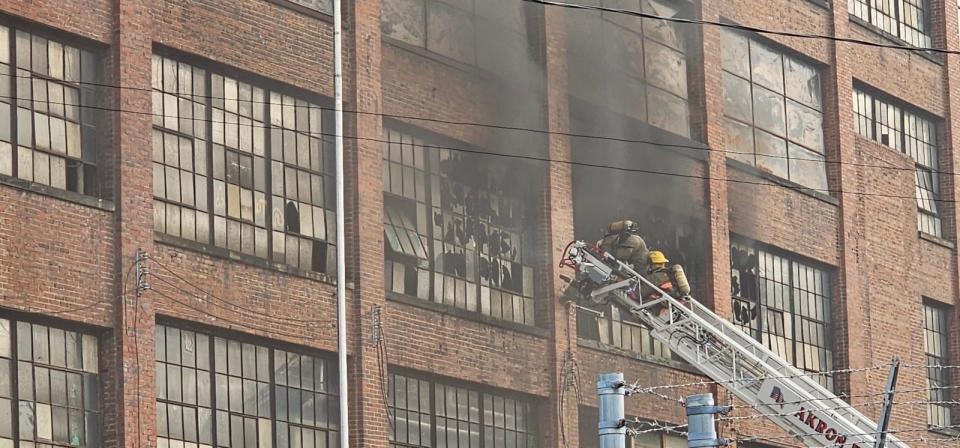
x=657 y=257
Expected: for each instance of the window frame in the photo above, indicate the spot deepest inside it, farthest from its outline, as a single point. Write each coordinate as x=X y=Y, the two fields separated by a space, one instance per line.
x=482 y=391
x=305 y=10
x=272 y=347
x=938 y=414
x=792 y=314
x=432 y=267
x=756 y=129
x=905 y=115
x=92 y=160
x=608 y=23
x=82 y=330
x=866 y=11
x=210 y=69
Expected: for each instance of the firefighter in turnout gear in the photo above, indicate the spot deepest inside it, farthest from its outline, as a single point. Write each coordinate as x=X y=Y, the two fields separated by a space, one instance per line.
x=672 y=280
x=625 y=244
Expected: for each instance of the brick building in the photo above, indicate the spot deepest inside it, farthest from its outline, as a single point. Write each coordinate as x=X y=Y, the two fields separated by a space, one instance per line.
x=806 y=184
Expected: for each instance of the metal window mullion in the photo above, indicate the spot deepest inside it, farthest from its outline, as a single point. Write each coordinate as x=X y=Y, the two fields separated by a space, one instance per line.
x=15 y=379
x=433 y=414
x=14 y=106
x=271 y=387
x=213 y=387
x=428 y=195
x=753 y=111
x=211 y=231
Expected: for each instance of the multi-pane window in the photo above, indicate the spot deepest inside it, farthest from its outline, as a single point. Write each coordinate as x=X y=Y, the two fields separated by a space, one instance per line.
x=784 y=303
x=913 y=133
x=215 y=391
x=640 y=70
x=57 y=386
x=619 y=329
x=267 y=192
x=936 y=346
x=907 y=19
x=773 y=111
x=495 y=35
x=455 y=230
x=434 y=414
x=52 y=82
x=321 y=6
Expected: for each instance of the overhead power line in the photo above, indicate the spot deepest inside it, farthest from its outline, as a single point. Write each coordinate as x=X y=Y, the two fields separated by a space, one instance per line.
x=588 y=136
x=752 y=29
x=766 y=183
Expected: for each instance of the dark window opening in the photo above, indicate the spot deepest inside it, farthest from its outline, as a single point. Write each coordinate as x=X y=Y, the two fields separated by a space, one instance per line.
x=456 y=230
x=785 y=303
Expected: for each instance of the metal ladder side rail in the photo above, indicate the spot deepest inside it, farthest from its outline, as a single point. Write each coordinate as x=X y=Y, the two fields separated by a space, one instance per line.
x=724 y=371
x=815 y=388
x=810 y=390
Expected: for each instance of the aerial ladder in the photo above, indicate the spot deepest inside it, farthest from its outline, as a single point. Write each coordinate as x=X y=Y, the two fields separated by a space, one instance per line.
x=786 y=396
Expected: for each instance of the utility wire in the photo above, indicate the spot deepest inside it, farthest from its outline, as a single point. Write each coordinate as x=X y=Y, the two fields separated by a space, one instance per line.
x=798 y=188
x=742 y=27
x=207 y=293
x=636 y=388
x=273 y=330
x=233 y=308
x=700 y=148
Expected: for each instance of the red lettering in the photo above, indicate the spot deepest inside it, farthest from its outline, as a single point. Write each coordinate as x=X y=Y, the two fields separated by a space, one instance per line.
x=821 y=426
x=841 y=440
x=811 y=420
x=855 y=446
x=831 y=434
x=799 y=414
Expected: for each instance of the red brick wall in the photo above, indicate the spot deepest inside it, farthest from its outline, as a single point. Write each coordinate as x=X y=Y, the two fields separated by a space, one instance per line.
x=56 y=254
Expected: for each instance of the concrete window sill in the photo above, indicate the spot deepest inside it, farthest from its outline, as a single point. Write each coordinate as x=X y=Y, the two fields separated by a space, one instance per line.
x=69 y=196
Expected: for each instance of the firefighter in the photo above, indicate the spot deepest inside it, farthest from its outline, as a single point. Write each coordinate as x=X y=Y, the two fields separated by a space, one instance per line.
x=671 y=280
x=625 y=244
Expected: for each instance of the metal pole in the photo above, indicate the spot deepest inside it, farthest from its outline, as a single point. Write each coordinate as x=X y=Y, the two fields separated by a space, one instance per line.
x=884 y=421
x=701 y=428
x=610 y=395
x=341 y=256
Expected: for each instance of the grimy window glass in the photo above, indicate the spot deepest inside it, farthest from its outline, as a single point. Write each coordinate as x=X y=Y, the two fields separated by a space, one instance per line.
x=493 y=35
x=936 y=346
x=784 y=303
x=267 y=192
x=907 y=19
x=53 y=143
x=455 y=230
x=636 y=67
x=435 y=414
x=179 y=150
x=321 y=6
x=913 y=133
x=220 y=392
x=619 y=329
x=57 y=386
x=773 y=111
x=239 y=166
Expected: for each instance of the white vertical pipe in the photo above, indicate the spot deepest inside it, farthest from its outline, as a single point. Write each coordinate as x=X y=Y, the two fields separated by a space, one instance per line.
x=341 y=256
